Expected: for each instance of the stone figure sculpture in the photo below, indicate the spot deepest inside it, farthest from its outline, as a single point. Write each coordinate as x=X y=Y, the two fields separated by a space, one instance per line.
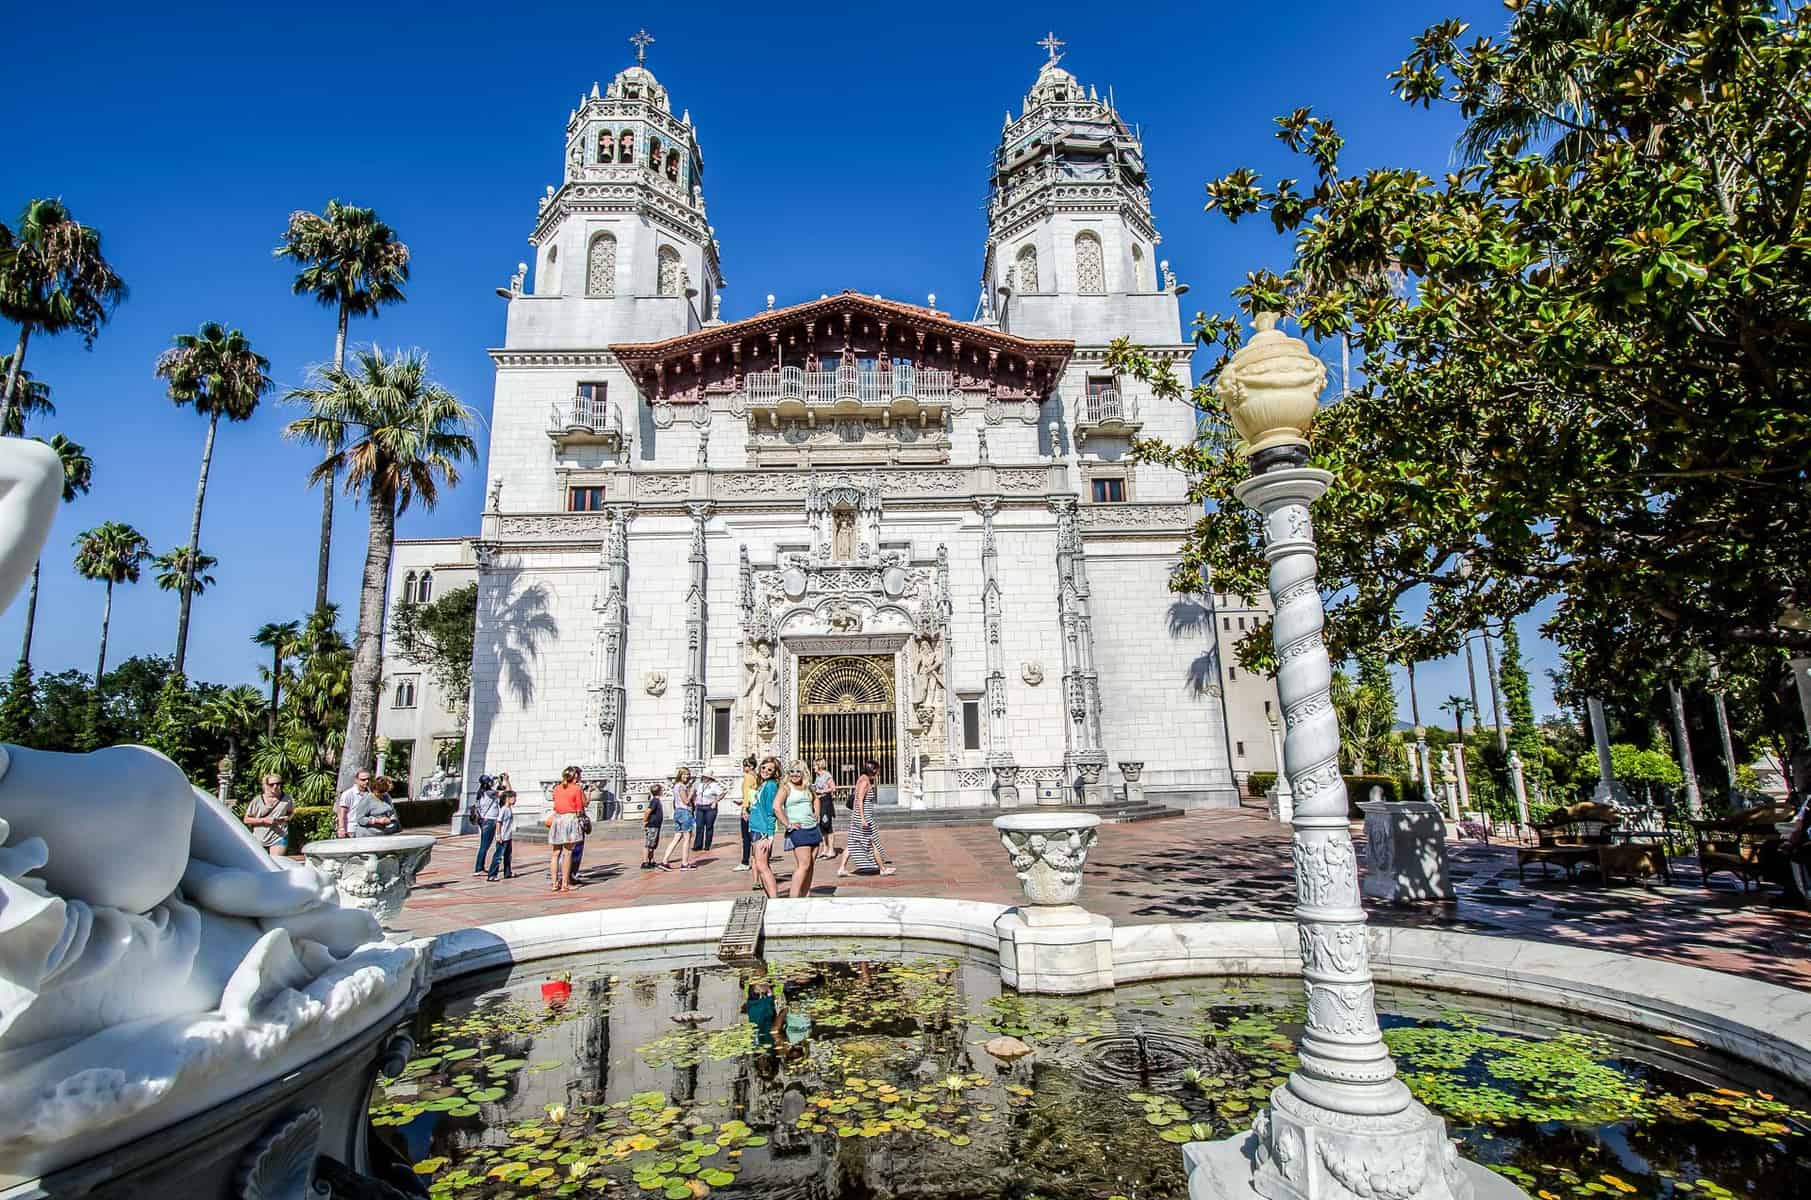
x=154 y=959
x=761 y=688
x=926 y=678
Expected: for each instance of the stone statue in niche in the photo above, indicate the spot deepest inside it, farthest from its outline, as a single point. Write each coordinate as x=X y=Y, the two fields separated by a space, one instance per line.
x=761 y=686
x=155 y=960
x=926 y=664
x=842 y=535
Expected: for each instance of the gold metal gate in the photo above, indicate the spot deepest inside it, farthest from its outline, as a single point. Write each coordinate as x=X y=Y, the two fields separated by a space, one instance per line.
x=846 y=714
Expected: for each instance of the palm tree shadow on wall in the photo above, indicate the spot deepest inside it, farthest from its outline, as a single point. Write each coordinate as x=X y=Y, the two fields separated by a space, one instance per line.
x=1192 y=620
x=513 y=623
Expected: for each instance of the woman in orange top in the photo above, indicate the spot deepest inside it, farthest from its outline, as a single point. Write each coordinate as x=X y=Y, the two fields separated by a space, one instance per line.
x=566 y=828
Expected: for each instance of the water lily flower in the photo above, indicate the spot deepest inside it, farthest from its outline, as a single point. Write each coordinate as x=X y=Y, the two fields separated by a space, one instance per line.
x=556 y=1113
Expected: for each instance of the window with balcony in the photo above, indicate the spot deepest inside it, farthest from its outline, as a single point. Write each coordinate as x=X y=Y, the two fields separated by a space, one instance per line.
x=600 y=266
x=584 y=499
x=1110 y=490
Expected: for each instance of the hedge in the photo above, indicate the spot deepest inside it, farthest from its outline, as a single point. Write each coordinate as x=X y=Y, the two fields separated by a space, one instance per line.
x=314 y=822
x=1259 y=782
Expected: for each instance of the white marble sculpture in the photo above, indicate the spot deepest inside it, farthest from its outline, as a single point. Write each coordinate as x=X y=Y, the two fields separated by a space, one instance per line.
x=372 y=873
x=154 y=959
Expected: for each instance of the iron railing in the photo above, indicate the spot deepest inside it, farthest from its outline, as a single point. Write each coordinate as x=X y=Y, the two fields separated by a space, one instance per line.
x=591 y=413
x=1106 y=404
x=865 y=385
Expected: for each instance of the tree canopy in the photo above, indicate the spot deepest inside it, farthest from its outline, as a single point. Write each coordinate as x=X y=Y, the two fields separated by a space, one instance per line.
x=1584 y=352
x=439 y=636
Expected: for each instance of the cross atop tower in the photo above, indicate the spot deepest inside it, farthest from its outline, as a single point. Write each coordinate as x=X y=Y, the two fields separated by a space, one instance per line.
x=1051 y=45
x=641 y=41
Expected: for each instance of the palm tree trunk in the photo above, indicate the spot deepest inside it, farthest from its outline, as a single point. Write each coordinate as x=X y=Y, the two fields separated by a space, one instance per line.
x=276 y=686
x=12 y=377
x=367 y=645
x=188 y=572
x=100 y=665
x=31 y=613
x=326 y=554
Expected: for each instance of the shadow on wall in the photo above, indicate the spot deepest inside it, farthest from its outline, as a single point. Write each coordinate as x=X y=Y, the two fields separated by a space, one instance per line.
x=1193 y=620
x=513 y=622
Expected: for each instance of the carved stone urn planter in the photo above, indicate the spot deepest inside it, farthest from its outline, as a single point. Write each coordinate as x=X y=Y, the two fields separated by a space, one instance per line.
x=372 y=873
x=1047 y=852
x=1050 y=944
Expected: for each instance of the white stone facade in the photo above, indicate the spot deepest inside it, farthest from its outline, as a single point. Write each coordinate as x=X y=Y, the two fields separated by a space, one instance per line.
x=412 y=711
x=686 y=517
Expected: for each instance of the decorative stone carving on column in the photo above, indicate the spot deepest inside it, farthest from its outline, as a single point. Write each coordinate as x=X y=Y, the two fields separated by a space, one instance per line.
x=1343 y=1124
x=613 y=629
x=694 y=639
x=952 y=711
x=1049 y=944
x=372 y=873
x=1133 y=774
x=1084 y=756
x=999 y=754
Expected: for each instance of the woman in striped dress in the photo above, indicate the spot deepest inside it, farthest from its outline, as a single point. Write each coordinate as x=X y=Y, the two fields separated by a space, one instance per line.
x=863 y=855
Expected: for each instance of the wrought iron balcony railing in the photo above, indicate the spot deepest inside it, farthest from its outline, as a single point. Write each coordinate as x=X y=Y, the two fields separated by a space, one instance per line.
x=866 y=386
x=585 y=417
x=1106 y=411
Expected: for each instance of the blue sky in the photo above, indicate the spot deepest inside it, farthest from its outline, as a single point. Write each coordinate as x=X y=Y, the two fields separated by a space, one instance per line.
x=845 y=146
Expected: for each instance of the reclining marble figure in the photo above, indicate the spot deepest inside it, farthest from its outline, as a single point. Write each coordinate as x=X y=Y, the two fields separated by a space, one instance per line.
x=154 y=960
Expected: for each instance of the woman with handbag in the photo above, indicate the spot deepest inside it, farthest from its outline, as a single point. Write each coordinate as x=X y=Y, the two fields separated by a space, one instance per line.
x=565 y=828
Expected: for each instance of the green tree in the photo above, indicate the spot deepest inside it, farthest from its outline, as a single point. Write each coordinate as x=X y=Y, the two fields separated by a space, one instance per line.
x=31 y=396
x=397 y=435
x=52 y=279
x=353 y=263
x=1458 y=706
x=78 y=477
x=1366 y=709
x=310 y=733
x=220 y=375
x=282 y=639
x=19 y=707
x=111 y=552
x=67 y=711
x=439 y=636
x=177 y=567
x=236 y=714
x=1585 y=372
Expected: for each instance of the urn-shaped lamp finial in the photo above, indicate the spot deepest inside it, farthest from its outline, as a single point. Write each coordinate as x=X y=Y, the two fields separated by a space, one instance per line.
x=1271 y=388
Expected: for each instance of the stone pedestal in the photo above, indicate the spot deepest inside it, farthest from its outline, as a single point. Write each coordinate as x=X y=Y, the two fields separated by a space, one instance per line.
x=1088 y=781
x=1006 y=781
x=1060 y=949
x=1405 y=851
x=1282 y=803
x=1133 y=773
x=372 y=873
x=1225 y=1170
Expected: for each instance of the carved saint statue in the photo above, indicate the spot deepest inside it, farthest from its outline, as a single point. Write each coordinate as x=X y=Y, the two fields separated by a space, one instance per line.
x=842 y=540
x=927 y=677
x=761 y=686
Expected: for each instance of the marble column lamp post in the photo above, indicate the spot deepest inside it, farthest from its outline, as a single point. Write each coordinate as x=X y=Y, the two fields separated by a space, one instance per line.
x=1343 y=1125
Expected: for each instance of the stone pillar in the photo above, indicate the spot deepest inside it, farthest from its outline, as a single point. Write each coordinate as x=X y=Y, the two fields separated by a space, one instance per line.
x=1608 y=790
x=694 y=640
x=224 y=777
x=1463 y=781
x=1521 y=793
x=1683 y=736
x=612 y=605
x=1427 y=765
x=1343 y=1119
x=999 y=754
x=1081 y=685
x=1284 y=808
x=1134 y=777
x=1449 y=783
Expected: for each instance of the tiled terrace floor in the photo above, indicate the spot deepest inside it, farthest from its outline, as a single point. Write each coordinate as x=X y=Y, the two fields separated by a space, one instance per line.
x=1221 y=865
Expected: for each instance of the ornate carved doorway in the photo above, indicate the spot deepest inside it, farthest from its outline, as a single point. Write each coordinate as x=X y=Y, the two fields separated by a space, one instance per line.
x=847 y=713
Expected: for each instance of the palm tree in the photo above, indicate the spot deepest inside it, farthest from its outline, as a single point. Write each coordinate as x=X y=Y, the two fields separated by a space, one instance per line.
x=111 y=552
x=398 y=435
x=235 y=713
x=175 y=567
x=52 y=279
x=1458 y=706
x=78 y=477
x=353 y=262
x=33 y=398
x=1542 y=97
x=283 y=640
x=218 y=372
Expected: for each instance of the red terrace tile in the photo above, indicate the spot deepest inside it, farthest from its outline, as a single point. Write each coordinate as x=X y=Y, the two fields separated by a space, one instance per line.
x=1219 y=865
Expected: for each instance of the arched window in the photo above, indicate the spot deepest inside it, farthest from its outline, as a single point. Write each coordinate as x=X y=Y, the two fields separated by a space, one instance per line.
x=606 y=145
x=1090 y=267
x=408 y=588
x=672 y=272
x=673 y=165
x=1026 y=273
x=600 y=266
x=424 y=590
x=1141 y=270
x=653 y=153
x=625 y=147
x=405 y=693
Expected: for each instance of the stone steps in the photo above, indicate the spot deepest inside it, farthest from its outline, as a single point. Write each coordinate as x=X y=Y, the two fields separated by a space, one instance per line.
x=888 y=817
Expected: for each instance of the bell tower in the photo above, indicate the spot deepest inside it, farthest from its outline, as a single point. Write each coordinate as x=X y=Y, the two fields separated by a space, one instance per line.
x=623 y=244
x=1071 y=246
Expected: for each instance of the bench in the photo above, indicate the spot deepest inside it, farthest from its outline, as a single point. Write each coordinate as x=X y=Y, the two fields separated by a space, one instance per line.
x=1744 y=843
x=1571 y=836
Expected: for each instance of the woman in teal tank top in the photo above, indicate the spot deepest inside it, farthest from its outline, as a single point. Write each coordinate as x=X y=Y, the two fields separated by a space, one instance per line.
x=761 y=826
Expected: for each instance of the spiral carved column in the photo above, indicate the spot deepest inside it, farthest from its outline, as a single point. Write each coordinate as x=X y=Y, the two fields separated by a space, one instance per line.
x=1343 y=1124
